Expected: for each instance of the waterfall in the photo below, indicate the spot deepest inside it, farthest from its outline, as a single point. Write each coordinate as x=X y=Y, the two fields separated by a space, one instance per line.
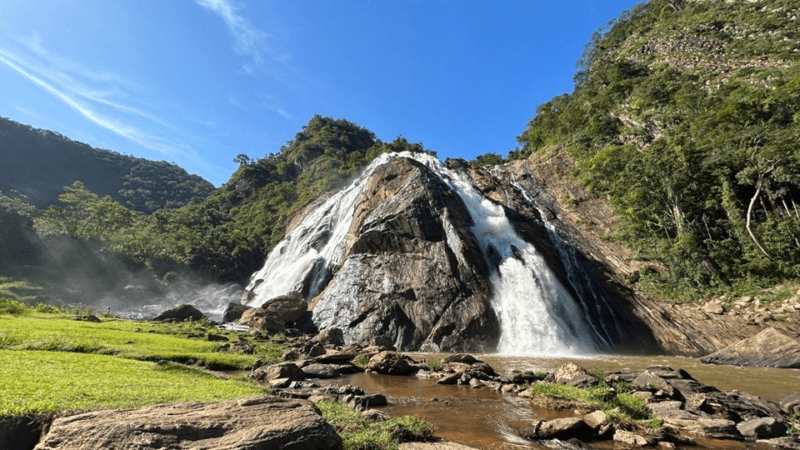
x=537 y=314
x=306 y=259
x=590 y=303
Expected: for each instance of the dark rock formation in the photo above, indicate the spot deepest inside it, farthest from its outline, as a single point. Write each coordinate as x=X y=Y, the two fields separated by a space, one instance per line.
x=391 y=363
x=412 y=270
x=276 y=371
x=180 y=313
x=265 y=422
x=234 y=311
x=286 y=308
x=769 y=348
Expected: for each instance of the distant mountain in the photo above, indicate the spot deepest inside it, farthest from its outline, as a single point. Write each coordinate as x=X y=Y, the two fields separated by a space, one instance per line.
x=38 y=163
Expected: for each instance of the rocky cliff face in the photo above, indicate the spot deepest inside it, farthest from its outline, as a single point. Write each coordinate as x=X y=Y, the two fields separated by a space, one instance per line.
x=452 y=258
x=412 y=271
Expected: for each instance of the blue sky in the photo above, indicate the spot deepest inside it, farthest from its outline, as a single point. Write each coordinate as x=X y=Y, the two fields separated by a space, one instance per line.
x=197 y=82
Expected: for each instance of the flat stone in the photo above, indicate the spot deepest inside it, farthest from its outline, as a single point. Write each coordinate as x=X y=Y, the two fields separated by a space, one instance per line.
x=564 y=428
x=791 y=404
x=628 y=438
x=595 y=419
x=769 y=348
x=762 y=428
x=275 y=371
x=263 y=422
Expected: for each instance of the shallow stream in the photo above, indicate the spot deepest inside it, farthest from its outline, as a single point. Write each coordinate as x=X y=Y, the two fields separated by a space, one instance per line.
x=486 y=419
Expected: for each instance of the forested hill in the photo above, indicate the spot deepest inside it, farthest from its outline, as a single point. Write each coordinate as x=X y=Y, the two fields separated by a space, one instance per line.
x=39 y=163
x=686 y=116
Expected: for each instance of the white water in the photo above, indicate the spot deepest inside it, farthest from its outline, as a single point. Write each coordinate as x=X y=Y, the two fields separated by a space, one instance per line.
x=309 y=255
x=537 y=315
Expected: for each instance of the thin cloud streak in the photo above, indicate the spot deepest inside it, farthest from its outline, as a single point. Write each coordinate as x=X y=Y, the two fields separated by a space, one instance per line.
x=252 y=42
x=66 y=81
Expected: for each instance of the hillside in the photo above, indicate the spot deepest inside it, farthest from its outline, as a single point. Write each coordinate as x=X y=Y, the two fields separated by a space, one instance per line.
x=38 y=163
x=685 y=118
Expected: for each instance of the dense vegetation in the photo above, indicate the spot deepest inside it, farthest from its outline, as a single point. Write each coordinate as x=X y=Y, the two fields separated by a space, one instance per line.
x=686 y=115
x=226 y=236
x=37 y=163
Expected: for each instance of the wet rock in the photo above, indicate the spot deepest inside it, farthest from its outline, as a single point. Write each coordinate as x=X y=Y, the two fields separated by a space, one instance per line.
x=596 y=419
x=628 y=438
x=331 y=336
x=341 y=357
x=648 y=381
x=783 y=443
x=762 y=428
x=265 y=422
x=286 y=308
x=233 y=312
x=275 y=371
x=700 y=424
x=450 y=379
x=391 y=363
x=366 y=401
x=180 y=313
x=791 y=404
x=412 y=269
x=320 y=371
x=572 y=374
x=565 y=428
x=769 y=348
x=460 y=358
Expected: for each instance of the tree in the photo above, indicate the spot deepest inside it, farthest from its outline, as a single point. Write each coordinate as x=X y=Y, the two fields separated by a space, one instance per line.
x=243 y=160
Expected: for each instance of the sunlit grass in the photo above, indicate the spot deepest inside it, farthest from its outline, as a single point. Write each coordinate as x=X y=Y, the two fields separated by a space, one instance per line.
x=34 y=382
x=360 y=433
x=128 y=339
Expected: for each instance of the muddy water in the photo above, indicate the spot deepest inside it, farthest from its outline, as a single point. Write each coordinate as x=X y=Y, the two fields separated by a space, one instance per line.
x=489 y=420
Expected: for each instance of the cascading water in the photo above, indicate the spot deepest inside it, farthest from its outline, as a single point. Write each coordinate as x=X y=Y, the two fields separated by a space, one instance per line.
x=597 y=307
x=537 y=314
x=304 y=261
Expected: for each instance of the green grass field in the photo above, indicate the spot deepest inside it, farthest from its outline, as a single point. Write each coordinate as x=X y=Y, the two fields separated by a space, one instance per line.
x=50 y=362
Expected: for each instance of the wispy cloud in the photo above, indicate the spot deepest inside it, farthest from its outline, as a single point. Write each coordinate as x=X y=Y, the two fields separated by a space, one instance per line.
x=99 y=96
x=263 y=57
x=235 y=102
x=273 y=104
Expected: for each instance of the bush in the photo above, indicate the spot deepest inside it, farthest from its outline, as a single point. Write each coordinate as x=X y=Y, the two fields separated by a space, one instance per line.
x=13 y=307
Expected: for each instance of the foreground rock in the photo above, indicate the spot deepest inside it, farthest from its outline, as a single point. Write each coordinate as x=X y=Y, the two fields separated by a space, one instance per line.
x=769 y=348
x=392 y=363
x=256 y=423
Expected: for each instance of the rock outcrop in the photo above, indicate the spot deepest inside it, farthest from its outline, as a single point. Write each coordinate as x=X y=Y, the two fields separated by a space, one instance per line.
x=769 y=348
x=180 y=313
x=265 y=422
x=412 y=271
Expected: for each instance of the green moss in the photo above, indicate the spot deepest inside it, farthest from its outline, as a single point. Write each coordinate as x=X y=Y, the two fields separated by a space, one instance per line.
x=360 y=433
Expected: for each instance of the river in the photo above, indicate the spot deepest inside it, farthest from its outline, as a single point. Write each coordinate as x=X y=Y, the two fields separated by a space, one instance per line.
x=486 y=419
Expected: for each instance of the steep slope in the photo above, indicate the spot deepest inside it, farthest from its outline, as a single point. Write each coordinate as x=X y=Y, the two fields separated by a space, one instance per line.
x=38 y=163
x=685 y=117
x=434 y=257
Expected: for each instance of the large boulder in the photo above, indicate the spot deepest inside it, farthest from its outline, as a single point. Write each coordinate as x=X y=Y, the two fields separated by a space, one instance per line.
x=276 y=371
x=412 y=269
x=260 y=320
x=286 y=308
x=762 y=428
x=331 y=336
x=180 y=313
x=234 y=311
x=791 y=404
x=256 y=423
x=769 y=348
x=564 y=429
x=391 y=363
